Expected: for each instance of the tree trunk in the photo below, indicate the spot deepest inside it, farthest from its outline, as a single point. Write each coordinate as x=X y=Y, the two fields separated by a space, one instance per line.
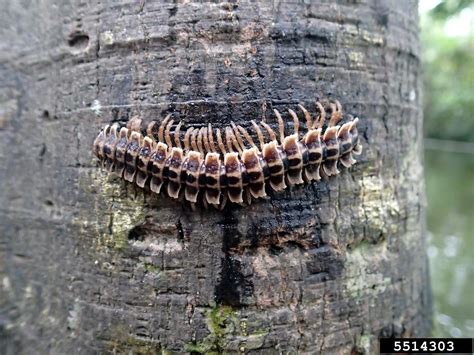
x=90 y=264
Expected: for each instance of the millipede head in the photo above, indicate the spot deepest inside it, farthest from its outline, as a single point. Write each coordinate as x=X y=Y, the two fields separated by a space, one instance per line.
x=110 y=140
x=99 y=143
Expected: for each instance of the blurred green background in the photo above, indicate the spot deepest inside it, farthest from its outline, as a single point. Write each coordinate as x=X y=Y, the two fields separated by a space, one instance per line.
x=448 y=64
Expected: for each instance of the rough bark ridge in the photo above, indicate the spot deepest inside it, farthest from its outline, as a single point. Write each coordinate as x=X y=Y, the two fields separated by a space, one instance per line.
x=89 y=264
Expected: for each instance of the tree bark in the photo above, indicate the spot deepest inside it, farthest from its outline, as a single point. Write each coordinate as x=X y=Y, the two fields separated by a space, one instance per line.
x=89 y=264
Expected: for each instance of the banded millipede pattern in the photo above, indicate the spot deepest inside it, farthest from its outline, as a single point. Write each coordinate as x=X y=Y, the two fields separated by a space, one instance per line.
x=214 y=165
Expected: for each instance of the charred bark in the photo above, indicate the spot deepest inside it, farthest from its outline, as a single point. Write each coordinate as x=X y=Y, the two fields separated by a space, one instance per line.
x=89 y=264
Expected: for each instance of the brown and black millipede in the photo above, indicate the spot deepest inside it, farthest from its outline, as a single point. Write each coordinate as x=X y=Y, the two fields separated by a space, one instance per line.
x=226 y=164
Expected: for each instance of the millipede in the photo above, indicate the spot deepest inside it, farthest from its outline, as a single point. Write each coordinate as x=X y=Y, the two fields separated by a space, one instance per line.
x=231 y=163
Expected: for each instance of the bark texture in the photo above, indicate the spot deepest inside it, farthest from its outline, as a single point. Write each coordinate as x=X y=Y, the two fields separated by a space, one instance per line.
x=89 y=264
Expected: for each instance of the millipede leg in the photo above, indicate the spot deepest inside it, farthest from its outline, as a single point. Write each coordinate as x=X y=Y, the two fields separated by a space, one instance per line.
x=296 y=121
x=238 y=136
x=204 y=139
x=246 y=135
x=270 y=131
x=309 y=121
x=211 y=139
x=322 y=116
x=201 y=150
x=187 y=135
x=177 y=134
x=162 y=128
x=195 y=141
x=167 y=134
x=220 y=143
x=336 y=113
x=152 y=130
x=228 y=139
x=238 y=145
x=259 y=134
x=281 y=125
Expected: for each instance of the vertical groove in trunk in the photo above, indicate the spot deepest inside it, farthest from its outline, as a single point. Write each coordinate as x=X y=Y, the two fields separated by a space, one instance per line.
x=90 y=264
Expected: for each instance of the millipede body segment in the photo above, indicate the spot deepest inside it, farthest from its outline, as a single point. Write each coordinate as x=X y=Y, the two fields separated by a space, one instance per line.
x=216 y=165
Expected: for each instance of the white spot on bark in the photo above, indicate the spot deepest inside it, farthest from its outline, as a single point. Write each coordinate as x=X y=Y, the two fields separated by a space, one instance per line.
x=107 y=38
x=6 y=283
x=167 y=247
x=96 y=107
x=28 y=291
x=360 y=278
x=73 y=317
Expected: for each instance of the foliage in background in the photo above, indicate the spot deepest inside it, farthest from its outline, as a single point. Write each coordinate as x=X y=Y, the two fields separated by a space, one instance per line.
x=449 y=114
x=448 y=73
x=446 y=9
